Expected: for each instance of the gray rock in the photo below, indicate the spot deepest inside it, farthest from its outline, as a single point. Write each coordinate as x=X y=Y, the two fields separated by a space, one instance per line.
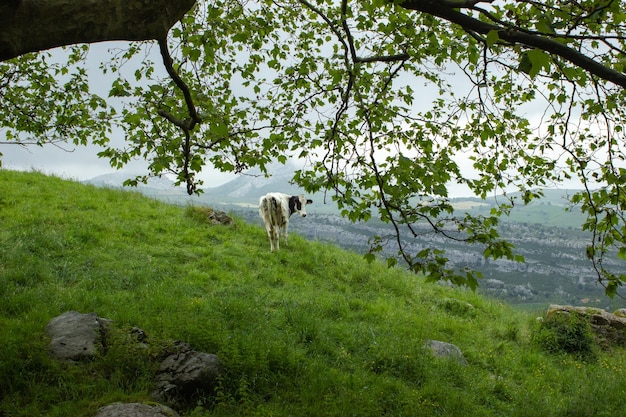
x=445 y=350
x=609 y=329
x=77 y=336
x=135 y=410
x=220 y=217
x=139 y=336
x=185 y=374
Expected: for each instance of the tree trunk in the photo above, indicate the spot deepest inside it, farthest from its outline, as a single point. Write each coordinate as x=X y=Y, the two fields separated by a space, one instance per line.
x=36 y=25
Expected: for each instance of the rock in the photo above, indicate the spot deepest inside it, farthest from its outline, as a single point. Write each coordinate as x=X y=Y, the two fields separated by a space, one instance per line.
x=77 y=336
x=139 y=336
x=609 y=329
x=185 y=374
x=220 y=217
x=135 y=410
x=445 y=350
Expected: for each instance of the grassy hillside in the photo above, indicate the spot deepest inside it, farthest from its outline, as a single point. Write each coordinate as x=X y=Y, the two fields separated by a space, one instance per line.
x=309 y=331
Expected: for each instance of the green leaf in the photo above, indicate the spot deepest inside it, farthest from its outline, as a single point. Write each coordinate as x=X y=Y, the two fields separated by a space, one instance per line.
x=369 y=257
x=611 y=288
x=545 y=26
x=492 y=38
x=391 y=262
x=538 y=60
x=219 y=130
x=194 y=54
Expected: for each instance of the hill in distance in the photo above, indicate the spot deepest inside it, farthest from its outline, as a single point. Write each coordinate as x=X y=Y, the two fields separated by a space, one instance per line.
x=310 y=330
x=243 y=191
x=246 y=189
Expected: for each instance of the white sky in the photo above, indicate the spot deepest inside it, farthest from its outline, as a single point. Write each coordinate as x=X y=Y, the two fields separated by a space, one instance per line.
x=81 y=162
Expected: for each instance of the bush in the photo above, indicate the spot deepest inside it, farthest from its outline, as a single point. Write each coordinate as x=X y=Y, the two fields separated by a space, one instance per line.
x=565 y=333
x=458 y=308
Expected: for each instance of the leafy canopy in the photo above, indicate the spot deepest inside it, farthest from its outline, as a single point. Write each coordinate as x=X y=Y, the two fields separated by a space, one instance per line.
x=384 y=102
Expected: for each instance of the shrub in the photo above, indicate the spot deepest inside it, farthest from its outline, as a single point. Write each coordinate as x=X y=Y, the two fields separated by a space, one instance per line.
x=457 y=308
x=565 y=333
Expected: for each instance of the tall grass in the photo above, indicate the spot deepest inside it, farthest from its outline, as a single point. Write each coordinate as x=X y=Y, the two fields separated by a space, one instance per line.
x=311 y=330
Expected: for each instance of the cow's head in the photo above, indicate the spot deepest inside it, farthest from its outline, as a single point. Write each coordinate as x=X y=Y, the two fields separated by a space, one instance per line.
x=297 y=204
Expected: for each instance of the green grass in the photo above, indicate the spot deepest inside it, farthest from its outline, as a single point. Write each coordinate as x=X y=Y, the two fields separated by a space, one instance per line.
x=311 y=330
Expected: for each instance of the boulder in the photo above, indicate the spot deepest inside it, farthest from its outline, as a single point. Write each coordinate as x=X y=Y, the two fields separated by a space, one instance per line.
x=220 y=217
x=609 y=328
x=620 y=312
x=76 y=336
x=184 y=375
x=445 y=350
x=135 y=410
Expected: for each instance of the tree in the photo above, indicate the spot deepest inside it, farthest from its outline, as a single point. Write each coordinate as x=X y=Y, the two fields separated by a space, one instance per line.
x=380 y=98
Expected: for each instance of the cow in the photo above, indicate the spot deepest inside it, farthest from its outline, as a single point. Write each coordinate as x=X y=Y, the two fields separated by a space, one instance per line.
x=275 y=210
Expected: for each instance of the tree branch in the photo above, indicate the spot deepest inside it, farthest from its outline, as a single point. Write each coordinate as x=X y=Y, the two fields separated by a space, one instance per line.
x=187 y=124
x=445 y=10
x=387 y=58
x=36 y=25
x=349 y=44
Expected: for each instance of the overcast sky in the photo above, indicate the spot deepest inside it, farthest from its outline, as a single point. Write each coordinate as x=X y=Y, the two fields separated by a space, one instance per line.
x=82 y=163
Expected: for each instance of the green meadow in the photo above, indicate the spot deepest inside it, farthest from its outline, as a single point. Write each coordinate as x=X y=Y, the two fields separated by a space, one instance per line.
x=312 y=330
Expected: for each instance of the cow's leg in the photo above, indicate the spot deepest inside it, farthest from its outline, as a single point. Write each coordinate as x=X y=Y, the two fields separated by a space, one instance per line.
x=270 y=234
x=277 y=237
x=284 y=232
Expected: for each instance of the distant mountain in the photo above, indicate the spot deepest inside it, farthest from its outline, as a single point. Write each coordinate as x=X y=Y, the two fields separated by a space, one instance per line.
x=250 y=185
x=245 y=190
x=116 y=180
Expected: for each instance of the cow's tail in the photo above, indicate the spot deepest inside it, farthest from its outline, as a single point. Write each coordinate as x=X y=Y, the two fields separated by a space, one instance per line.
x=276 y=211
x=265 y=205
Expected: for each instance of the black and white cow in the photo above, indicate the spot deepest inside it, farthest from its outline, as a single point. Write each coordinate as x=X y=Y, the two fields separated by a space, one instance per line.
x=275 y=210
